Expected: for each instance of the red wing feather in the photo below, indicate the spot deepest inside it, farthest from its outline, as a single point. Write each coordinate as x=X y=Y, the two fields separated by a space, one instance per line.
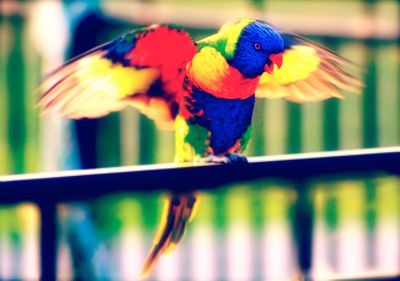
x=143 y=68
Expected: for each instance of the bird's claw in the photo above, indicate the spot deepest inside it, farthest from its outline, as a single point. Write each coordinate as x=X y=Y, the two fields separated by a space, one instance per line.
x=236 y=158
x=230 y=158
x=216 y=159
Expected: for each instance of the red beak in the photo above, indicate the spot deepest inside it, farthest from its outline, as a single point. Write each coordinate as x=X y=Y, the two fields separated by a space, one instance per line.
x=276 y=59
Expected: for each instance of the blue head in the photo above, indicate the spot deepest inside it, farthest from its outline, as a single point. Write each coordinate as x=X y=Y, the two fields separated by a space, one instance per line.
x=258 y=49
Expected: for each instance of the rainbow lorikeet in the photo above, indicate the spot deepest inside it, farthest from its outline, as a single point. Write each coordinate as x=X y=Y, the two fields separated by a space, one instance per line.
x=205 y=90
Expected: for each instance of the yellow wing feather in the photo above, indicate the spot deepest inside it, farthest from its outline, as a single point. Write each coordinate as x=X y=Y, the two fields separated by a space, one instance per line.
x=93 y=86
x=298 y=63
x=308 y=73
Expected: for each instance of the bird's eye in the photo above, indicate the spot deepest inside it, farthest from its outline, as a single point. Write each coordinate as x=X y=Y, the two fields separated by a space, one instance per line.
x=257 y=46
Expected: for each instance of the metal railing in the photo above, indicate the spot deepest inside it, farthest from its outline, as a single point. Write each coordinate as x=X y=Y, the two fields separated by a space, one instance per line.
x=48 y=189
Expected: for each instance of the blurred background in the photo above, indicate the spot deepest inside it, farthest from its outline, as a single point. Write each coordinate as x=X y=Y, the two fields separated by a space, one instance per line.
x=244 y=231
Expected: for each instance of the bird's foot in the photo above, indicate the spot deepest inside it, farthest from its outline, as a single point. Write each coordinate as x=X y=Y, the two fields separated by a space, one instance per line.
x=216 y=159
x=230 y=158
x=236 y=158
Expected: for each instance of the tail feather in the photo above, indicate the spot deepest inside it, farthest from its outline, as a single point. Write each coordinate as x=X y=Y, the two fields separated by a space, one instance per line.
x=185 y=216
x=178 y=211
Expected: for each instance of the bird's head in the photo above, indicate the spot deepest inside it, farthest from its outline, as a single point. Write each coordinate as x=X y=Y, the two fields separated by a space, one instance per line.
x=258 y=48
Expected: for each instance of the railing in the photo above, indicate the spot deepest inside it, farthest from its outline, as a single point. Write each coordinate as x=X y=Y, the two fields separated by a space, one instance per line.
x=48 y=189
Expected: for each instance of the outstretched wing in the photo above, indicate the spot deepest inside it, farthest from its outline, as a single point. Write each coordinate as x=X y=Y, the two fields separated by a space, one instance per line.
x=143 y=68
x=309 y=72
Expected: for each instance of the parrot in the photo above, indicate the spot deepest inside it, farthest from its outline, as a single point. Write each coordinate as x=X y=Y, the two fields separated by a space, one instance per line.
x=205 y=90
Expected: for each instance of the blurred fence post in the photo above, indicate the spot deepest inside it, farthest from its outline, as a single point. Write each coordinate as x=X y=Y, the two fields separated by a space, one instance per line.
x=369 y=100
x=48 y=239
x=303 y=228
x=15 y=83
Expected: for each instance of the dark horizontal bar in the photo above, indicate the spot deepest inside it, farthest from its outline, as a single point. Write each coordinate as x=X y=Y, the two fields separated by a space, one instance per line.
x=84 y=184
x=372 y=278
x=364 y=278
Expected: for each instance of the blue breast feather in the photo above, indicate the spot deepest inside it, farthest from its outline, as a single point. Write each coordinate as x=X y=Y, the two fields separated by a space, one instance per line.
x=226 y=119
